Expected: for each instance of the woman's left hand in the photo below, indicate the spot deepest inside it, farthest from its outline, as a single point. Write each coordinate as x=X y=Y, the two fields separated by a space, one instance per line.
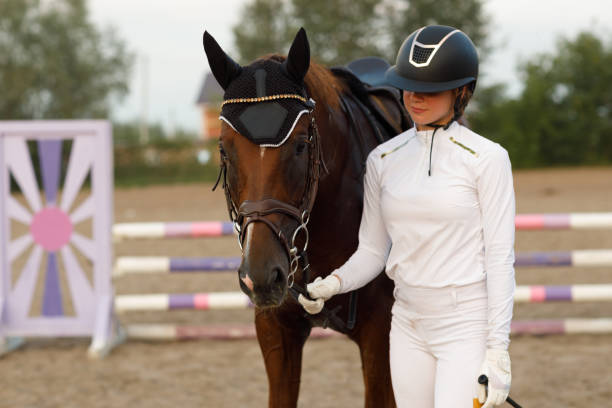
x=496 y=367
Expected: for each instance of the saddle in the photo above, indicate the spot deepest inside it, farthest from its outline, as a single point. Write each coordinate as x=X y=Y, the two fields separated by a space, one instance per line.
x=361 y=94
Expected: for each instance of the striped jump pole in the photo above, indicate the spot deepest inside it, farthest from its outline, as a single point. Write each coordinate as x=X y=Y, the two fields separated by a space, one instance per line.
x=157 y=230
x=563 y=221
x=581 y=258
x=163 y=264
x=171 y=332
x=196 y=301
x=562 y=326
x=564 y=293
x=238 y=300
x=198 y=229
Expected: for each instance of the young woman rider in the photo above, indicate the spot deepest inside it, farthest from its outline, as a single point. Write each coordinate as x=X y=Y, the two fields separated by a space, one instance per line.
x=438 y=216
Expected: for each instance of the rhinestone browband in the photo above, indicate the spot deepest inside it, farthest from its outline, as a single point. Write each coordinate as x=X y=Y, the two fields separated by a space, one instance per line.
x=265 y=98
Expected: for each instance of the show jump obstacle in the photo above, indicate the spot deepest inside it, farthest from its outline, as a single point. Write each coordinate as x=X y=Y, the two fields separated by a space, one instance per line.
x=237 y=300
x=36 y=233
x=139 y=230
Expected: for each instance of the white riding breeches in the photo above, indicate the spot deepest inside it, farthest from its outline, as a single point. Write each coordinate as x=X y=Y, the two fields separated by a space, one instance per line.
x=437 y=345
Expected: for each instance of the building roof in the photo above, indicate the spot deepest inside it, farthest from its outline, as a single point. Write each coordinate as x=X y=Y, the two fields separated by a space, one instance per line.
x=211 y=91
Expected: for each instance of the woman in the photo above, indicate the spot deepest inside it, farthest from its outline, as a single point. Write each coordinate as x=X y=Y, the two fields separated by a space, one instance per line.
x=439 y=216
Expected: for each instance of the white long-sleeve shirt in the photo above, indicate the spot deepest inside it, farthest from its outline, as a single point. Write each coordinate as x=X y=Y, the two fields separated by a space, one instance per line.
x=453 y=227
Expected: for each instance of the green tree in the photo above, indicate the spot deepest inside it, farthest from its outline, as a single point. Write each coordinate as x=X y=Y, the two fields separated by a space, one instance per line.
x=339 y=31
x=563 y=116
x=263 y=29
x=56 y=64
x=342 y=30
x=402 y=17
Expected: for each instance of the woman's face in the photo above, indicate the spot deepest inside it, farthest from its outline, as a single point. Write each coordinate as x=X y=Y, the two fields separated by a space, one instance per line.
x=425 y=108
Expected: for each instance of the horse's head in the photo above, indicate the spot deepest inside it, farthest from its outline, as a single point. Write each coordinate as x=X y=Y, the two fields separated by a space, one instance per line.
x=269 y=163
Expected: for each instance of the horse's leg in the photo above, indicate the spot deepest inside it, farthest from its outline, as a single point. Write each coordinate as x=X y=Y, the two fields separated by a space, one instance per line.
x=374 y=352
x=373 y=341
x=281 y=347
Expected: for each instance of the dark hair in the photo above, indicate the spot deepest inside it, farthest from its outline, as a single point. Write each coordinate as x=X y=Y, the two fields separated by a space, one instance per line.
x=463 y=96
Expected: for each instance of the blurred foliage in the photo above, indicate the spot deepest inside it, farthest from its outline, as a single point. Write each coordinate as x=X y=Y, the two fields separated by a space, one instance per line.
x=563 y=116
x=340 y=31
x=56 y=64
x=166 y=159
x=402 y=17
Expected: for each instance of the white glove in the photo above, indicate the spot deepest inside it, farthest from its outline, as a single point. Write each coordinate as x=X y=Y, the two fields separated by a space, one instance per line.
x=320 y=290
x=496 y=367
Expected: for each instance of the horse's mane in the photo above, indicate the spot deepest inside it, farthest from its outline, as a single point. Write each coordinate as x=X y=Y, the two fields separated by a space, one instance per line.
x=322 y=85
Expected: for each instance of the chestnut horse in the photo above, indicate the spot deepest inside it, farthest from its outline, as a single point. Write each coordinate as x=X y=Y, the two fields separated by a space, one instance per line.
x=296 y=201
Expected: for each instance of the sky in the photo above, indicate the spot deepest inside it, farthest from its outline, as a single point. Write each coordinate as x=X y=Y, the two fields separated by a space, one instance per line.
x=166 y=38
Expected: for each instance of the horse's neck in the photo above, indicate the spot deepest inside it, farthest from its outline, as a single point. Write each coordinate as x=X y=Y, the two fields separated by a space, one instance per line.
x=338 y=205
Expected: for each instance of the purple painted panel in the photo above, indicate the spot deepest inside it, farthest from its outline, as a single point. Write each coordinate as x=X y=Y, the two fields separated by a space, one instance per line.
x=559 y=293
x=204 y=264
x=93 y=307
x=561 y=258
x=556 y=221
x=227 y=228
x=52 y=298
x=50 y=153
x=181 y=301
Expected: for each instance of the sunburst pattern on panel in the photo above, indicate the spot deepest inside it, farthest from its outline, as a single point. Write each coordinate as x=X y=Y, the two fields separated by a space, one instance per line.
x=51 y=225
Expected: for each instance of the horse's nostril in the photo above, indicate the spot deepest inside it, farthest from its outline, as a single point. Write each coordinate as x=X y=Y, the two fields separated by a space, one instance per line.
x=278 y=276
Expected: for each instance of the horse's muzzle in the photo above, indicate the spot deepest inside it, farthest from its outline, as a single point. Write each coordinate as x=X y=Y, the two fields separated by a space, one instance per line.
x=270 y=291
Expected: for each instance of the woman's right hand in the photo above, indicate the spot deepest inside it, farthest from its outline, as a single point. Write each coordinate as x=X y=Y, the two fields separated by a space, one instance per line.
x=320 y=290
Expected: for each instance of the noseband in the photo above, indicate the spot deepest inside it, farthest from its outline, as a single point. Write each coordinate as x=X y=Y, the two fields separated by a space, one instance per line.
x=257 y=211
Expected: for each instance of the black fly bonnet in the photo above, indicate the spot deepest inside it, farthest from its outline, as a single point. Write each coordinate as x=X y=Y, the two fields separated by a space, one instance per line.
x=263 y=104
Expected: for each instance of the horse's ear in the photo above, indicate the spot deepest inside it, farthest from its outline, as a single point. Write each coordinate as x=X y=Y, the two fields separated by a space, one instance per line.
x=223 y=67
x=298 y=60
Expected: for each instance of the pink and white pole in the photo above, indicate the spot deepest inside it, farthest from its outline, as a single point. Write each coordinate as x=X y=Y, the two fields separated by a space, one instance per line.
x=554 y=221
x=201 y=229
x=158 y=230
x=170 y=332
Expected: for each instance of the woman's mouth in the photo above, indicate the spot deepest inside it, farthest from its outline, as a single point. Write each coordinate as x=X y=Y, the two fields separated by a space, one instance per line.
x=417 y=110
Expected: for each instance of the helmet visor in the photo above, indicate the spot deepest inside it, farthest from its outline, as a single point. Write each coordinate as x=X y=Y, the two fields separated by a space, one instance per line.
x=392 y=78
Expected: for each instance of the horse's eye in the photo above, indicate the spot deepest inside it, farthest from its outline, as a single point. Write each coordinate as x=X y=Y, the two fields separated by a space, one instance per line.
x=299 y=148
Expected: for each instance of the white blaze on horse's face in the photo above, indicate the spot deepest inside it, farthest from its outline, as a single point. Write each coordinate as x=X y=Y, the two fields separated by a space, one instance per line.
x=262 y=150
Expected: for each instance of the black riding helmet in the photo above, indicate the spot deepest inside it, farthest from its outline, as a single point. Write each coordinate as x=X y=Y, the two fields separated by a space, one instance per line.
x=434 y=58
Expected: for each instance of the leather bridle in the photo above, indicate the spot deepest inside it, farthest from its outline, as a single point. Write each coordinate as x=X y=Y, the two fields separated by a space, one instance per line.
x=258 y=211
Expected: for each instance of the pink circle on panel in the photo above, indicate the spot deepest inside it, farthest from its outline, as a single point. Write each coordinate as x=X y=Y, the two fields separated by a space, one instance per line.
x=51 y=228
